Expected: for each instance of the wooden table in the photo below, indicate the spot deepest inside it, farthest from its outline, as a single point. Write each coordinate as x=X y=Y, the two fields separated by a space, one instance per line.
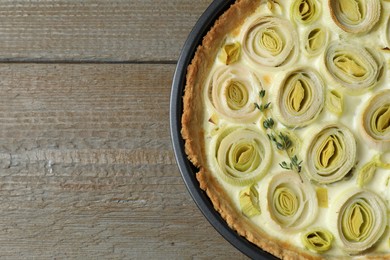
x=87 y=167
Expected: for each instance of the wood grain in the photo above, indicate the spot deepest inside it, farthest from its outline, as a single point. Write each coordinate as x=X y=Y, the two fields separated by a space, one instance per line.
x=87 y=168
x=96 y=30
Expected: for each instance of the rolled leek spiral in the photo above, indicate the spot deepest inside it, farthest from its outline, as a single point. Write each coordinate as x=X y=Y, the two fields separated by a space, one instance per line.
x=375 y=121
x=330 y=154
x=270 y=42
x=305 y=11
x=232 y=91
x=359 y=218
x=291 y=203
x=299 y=98
x=355 y=16
x=242 y=155
x=318 y=240
x=353 y=66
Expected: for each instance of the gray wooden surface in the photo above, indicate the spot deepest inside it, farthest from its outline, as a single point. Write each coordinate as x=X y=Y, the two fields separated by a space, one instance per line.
x=87 y=169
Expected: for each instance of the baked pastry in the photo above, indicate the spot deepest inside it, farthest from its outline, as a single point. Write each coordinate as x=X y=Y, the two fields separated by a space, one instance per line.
x=287 y=117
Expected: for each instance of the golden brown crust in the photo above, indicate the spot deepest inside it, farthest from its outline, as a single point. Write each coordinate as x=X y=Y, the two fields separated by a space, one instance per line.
x=192 y=121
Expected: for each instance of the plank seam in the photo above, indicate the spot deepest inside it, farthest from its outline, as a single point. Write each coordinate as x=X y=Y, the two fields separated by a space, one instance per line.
x=146 y=62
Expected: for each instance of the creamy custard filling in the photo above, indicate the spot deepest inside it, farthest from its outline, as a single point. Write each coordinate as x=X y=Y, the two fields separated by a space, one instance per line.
x=327 y=90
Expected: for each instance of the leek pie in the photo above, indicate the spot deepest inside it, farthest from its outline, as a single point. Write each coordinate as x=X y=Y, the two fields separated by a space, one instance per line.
x=287 y=118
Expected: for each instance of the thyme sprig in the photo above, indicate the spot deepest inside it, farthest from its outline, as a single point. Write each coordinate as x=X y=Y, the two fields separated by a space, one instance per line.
x=262 y=107
x=294 y=165
x=282 y=141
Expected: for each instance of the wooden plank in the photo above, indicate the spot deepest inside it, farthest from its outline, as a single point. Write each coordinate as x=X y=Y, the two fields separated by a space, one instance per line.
x=87 y=168
x=96 y=30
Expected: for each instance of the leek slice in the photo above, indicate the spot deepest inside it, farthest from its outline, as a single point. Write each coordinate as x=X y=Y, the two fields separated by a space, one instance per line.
x=230 y=53
x=383 y=161
x=367 y=172
x=305 y=11
x=318 y=240
x=322 y=197
x=299 y=98
x=270 y=42
x=355 y=16
x=335 y=102
x=232 y=91
x=291 y=203
x=249 y=201
x=354 y=67
x=315 y=40
x=242 y=155
x=359 y=219
x=330 y=154
x=375 y=121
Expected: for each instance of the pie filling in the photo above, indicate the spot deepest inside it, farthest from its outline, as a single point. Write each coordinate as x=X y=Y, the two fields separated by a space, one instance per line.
x=297 y=123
